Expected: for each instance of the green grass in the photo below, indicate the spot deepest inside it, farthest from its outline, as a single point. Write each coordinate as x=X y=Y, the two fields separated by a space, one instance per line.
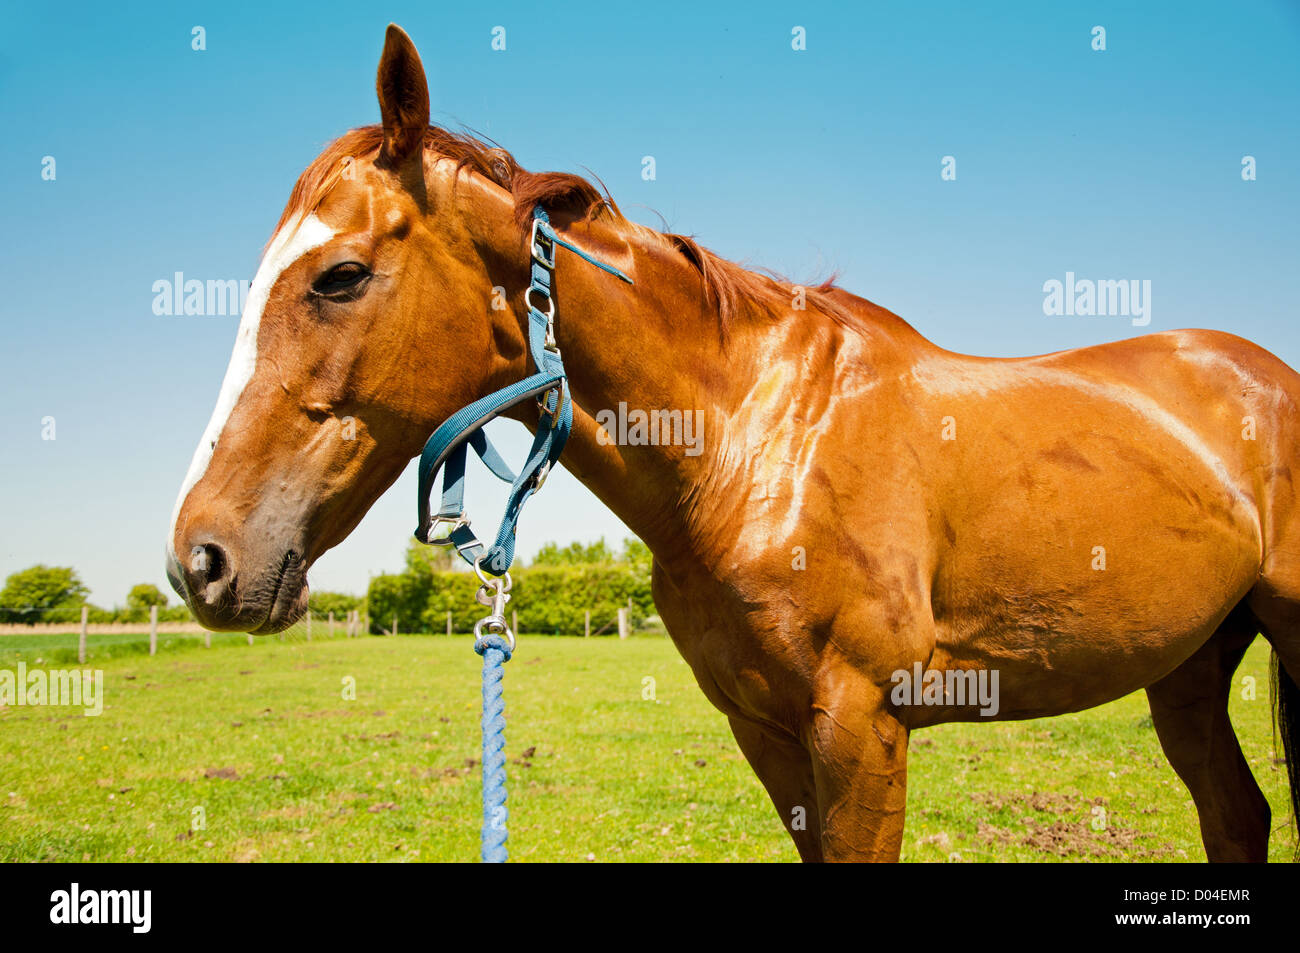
x=284 y=768
x=1032 y=790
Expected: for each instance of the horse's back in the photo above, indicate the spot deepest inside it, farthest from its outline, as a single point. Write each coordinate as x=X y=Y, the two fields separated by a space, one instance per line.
x=1234 y=397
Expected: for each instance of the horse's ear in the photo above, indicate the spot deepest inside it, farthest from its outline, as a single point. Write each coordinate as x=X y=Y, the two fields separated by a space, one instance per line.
x=403 y=99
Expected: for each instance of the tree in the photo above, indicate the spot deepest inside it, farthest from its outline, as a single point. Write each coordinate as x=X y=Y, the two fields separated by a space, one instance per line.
x=146 y=594
x=636 y=554
x=30 y=594
x=575 y=554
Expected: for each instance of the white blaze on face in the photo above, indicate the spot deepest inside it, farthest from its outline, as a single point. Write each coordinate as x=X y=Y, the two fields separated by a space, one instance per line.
x=288 y=246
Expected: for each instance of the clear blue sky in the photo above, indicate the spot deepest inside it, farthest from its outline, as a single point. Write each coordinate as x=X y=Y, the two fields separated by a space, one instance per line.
x=1117 y=164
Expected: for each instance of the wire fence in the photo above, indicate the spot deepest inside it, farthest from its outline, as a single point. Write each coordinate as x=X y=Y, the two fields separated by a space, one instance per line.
x=59 y=638
x=149 y=635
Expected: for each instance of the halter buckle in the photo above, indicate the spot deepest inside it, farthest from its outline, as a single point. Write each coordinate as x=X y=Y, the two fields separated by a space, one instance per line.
x=544 y=408
x=542 y=473
x=538 y=249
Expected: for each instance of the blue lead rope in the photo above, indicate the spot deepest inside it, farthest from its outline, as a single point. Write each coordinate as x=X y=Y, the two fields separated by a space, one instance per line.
x=496 y=651
x=447 y=449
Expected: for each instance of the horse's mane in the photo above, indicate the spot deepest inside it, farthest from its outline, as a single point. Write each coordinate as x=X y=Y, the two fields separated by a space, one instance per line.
x=733 y=287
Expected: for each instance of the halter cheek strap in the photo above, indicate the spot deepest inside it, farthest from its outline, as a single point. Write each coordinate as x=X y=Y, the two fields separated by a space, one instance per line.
x=446 y=449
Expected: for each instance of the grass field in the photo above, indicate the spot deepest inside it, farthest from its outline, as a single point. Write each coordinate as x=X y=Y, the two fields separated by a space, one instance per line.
x=260 y=743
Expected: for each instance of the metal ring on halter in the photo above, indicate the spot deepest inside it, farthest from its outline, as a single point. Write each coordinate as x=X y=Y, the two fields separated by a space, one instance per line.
x=549 y=312
x=497 y=626
x=504 y=578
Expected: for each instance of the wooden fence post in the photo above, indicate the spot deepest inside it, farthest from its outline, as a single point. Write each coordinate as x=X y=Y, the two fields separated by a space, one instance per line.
x=394 y=625
x=586 y=633
x=153 y=630
x=81 y=643
x=449 y=622
x=622 y=623
x=331 y=625
x=308 y=625
x=250 y=638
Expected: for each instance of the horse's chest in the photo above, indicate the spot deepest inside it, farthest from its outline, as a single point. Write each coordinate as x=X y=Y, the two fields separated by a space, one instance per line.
x=741 y=665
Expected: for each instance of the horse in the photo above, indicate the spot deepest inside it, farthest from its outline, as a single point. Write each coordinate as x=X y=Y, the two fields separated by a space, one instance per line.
x=863 y=504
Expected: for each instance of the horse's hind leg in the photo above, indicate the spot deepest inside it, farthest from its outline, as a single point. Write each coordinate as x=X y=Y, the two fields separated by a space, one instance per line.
x=1276 y=603
x=1189 y=707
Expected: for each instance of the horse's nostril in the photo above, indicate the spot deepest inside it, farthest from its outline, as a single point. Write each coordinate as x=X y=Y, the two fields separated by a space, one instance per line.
x=207 y=563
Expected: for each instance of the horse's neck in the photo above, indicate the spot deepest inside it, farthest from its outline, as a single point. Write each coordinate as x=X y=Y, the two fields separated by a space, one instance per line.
x=656 y=347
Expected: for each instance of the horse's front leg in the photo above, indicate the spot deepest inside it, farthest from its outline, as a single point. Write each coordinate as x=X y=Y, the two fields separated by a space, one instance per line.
x=859 y=751
x=784 y=767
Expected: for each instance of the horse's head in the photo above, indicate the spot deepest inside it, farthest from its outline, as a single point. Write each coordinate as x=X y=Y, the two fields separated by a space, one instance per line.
x=330 y=389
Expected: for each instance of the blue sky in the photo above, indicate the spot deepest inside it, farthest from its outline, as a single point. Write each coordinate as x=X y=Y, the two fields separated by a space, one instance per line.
x=1117 y=164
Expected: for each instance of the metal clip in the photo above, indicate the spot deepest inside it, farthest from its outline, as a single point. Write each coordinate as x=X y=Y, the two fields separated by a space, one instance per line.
x=494 y=593
x=549 y=343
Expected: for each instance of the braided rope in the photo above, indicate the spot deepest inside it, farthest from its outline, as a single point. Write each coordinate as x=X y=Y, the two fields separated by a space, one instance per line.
x=496 y=651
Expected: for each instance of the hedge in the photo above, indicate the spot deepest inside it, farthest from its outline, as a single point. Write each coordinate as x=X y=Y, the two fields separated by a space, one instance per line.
x=550 y=600
x=405 y=596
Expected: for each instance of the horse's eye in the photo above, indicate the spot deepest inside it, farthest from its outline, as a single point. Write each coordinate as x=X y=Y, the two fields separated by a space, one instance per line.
x=344 y=280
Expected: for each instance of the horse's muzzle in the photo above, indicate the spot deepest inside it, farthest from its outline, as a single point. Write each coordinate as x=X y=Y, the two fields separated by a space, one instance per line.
x=223 y=598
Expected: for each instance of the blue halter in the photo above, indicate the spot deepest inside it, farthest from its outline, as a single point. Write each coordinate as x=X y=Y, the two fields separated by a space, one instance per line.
x=447 y=447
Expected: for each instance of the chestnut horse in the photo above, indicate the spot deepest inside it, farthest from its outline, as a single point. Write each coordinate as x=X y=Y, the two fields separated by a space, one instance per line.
x=863 y=504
